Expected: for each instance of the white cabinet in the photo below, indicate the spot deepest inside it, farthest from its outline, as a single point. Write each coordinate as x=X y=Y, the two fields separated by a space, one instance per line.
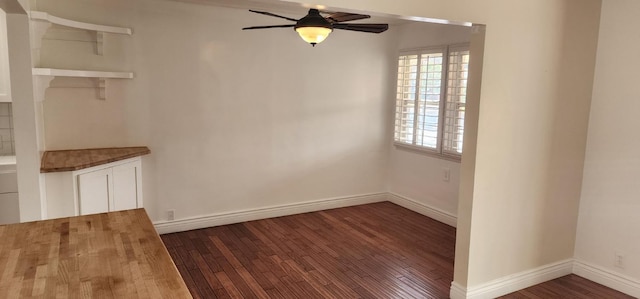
x=109 y=187
x=8 y=181
x=9 y=210
x=94 y=193
x=114 y=188
x=126 y=193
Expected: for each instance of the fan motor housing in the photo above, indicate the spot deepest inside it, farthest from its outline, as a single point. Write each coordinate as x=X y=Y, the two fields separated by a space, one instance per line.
x=313 y=19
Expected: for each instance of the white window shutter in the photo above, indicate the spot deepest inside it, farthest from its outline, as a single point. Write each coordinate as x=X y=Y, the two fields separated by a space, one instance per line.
x=430 y=99
x=456 y=99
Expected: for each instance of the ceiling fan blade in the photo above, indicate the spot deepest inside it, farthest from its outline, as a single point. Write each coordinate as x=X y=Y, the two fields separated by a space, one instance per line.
x=273 y=15
x=271 y=26
x=371 y=28
x=338 y=17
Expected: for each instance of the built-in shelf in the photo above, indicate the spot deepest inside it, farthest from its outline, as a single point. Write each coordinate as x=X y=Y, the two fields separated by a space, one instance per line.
x=45 y=20
x=42 y=21
x=43 y=77
x=81 y=73
x=43 y=16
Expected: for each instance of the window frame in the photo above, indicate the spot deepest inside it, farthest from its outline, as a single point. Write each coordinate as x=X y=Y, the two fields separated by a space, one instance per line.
x=438 y=151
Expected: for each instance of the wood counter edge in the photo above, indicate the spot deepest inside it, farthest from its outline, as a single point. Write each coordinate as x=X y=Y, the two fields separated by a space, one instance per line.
x=143 y=151
x=164 y=248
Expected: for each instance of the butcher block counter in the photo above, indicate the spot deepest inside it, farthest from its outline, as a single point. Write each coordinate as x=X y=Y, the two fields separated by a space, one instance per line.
x=70 y=160
x=108 y=255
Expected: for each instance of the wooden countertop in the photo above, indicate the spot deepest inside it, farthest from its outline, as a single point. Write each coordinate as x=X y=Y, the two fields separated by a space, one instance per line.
x=108 y=255
x=70 y=160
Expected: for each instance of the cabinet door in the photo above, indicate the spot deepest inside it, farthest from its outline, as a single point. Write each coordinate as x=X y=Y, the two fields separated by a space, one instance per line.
x=94 y=191
x=9 y=209
x=126 y=186
x=8 y=182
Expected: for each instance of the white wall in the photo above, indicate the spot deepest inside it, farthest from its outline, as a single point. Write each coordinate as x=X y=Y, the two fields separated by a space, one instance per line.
x=609 y=208
x=412 y=174
x=235 y=119
x=536 y=92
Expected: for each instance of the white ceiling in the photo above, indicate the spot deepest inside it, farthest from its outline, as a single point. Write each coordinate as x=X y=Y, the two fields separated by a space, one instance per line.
x=280 y=6
x=287 y=9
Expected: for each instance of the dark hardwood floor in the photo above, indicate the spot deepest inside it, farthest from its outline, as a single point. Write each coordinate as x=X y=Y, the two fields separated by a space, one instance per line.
x=570 y=286
x=370 y=251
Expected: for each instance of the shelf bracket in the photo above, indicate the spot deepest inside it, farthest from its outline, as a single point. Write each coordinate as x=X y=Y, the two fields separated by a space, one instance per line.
x=39 y=30
x=100 y=43
x=102 y=90
x=41 y=83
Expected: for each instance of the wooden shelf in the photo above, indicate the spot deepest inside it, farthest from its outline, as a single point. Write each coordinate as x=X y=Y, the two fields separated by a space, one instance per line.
x=43 y=16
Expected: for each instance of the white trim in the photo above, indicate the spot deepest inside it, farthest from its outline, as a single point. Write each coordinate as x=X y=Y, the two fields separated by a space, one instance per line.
x=616 y=281
x=457 y=291
x=423 y=150
x=81 y=73
x=165 y=227
x=44 y=76
x=513 y=283
x=418 y=207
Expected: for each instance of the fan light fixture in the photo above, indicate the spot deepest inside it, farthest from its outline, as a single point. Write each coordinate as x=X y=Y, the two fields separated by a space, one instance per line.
x=313 y=28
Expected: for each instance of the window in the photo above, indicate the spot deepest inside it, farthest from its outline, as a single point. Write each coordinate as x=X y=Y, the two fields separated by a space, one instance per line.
x=431 y=97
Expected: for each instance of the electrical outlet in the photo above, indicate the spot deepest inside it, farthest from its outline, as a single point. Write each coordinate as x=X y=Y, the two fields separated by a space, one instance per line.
x=618 y=260
x=171 y=214
x=446 y=174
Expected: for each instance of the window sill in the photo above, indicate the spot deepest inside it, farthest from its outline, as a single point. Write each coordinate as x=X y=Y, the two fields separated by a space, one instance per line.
x=427 y=152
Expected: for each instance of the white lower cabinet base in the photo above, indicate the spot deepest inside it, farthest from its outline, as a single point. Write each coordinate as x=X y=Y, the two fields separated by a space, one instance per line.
x=126 y=182
x=94 y=191
x=105 y=188
x=9 y=205
x=9 y=208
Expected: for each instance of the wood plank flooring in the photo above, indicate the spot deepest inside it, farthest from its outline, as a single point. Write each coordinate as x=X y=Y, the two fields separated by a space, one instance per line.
x=570 y=286
x=377 y=250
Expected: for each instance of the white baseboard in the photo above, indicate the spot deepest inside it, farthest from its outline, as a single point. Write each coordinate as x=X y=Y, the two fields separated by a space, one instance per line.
x=616 y=281
x=512 y=283
x=457 y=291
x=431 y=212
x=165 y=227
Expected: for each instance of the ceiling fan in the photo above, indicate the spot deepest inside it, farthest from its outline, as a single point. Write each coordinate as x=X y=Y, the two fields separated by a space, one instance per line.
x=314 y=28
